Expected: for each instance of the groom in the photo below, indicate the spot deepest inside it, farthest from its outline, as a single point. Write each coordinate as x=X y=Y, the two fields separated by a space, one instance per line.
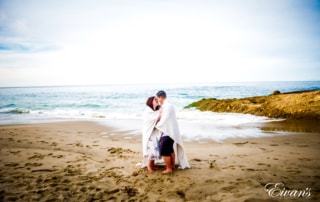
x=170 y=134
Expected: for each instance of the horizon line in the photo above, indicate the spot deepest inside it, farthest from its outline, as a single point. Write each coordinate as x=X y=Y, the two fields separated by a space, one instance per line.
x=123 y=84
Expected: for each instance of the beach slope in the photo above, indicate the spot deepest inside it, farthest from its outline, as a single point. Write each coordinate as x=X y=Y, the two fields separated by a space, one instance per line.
x=83 y=161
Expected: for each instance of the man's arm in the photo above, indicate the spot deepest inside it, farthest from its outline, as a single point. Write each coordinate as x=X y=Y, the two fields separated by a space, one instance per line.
x=165 y=115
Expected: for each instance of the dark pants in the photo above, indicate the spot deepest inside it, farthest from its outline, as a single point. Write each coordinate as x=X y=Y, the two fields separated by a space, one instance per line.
x=166 y=146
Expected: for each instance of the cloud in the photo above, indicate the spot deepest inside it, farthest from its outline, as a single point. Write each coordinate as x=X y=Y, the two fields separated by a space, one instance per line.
x=97 y=42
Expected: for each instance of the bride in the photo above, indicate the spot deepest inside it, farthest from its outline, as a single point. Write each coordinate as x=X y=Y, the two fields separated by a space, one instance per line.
x=150 y=145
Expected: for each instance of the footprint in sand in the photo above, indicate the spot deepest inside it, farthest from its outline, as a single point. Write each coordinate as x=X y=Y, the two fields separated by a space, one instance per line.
x=303 y=145
x=33 y=164
x=83 y=189
x=136 y=173
x=232 y=167
x=11 y=164
x=36 y=156
x=293 y=170
x=44 y=142
x=15 y=152
x=230 y=188
x=58 y=156
x=266 y=150
x=240 y=143
x=79 y=145
x=212 y=164
x=72 y=172
x=242 y=155
x=43 y=170
x=130 y=191
x=118 y=150
x=54 y=144
x=304 y=159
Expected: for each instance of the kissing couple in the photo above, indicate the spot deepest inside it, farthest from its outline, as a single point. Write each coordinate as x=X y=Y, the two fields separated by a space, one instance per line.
x=161 y=136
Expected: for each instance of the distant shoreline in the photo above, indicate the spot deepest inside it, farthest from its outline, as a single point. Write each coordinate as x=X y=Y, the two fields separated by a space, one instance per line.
x=290 y=105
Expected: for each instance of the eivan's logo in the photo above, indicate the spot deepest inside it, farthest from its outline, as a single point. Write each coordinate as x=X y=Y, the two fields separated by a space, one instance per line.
x=278 y=190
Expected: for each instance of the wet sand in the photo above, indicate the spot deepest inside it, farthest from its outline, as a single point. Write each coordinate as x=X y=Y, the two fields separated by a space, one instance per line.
x=83 y=161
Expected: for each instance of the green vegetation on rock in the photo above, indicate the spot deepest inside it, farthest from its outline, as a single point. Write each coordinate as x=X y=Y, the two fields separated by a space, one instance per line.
x=192 y=105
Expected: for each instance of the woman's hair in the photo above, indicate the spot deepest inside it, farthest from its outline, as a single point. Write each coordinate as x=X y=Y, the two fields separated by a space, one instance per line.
x=150 y=103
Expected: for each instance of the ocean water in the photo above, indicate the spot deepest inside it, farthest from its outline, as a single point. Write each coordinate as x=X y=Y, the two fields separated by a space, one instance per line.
x=122 y=105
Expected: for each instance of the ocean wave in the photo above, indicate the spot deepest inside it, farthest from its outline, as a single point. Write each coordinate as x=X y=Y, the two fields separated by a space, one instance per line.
x=90 y=106
x=227 y=119
x=189 y=115
x=8 y=106
x=194 y=125
x=14 y=111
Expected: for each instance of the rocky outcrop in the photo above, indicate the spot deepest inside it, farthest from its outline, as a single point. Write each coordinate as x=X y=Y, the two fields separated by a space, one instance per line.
x=294 y=105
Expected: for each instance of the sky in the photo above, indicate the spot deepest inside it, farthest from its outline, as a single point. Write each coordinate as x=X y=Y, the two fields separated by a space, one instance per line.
x=82 y=42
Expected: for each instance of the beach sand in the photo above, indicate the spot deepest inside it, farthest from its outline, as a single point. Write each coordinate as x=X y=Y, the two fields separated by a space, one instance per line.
x=83 y=161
